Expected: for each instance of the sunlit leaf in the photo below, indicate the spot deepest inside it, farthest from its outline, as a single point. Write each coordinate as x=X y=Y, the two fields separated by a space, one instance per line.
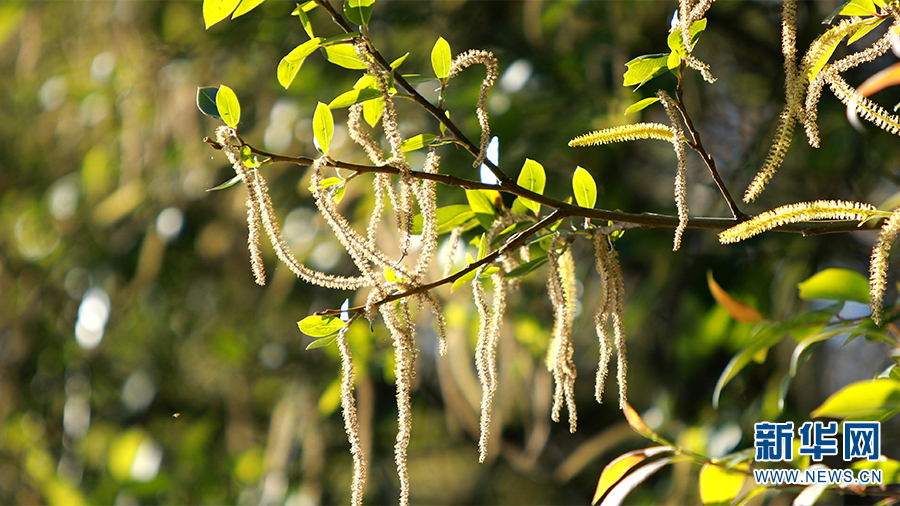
x=351 y=97
x=448 y=218
x=637 y=423
x=228 y=106
x=320 y=326
x=859 y=8
x=533 y=178
x=227 y=184
x=864 y=29
x=391 y=276
x=440 y=58
x=217 y=10
x=248 y=158
x=889 y=468
x=617 y=495
x=676 y=43
x=640 y=105
x=417 y=142
x=372 y=110
x=465 y=278
x=245 y=7
x=719 y=485
x=291 y=63
x=304 y=20
x=322 y=341
x=738 y=310
x=358 y=11
x=323 y=127
x=206 y=101
x=399 y=61
x=482 y=204
x=619 y=467
x=584 y=187
x=344 y=55
x=862 y=399
x=643 y=68
x=836 y=284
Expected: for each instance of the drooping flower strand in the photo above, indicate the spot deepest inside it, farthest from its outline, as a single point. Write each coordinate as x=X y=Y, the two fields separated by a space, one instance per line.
x=487 y=59
x=560 y=352
x=878 y=267
x=403 y=335
x=351 y=423
x=489 y=323
x=427 y=200
x=611 y=310
x=681 y=172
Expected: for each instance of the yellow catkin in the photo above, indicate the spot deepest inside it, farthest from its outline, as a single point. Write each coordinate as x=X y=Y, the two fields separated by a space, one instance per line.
x=879 y=265
x=780 y=145
x=624 y=133
x=796 y=213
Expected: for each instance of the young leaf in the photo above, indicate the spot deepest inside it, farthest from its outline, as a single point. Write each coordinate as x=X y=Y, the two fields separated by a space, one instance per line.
x=227 y=184
x=640 y=105
x=320 y=326
x=217 y=10
x=391 y=276
x=206 y=101
x=440 y=58
x=676 y=43
x=322 y=342
x=358 y=11
x=399 y=61
x=738 y=310
x=859 y=8
x=248 y=159
x=619 y=467
x=836 y=284
x=228 y=106
x=448 y=218
x=291 y=63
x=417 y=142
x=863 y=399
x=643 y=68
x=637 y=423
x=351 y=97
x=372 y=110
x=323 y=127
x=467 y=277
x=533 y=178
x=344 y=55
x=482 y=204
x=245 y=7
x=719 y=485
x=304 y=20
x=618 y=494
x=864 y=29
x=584 y=187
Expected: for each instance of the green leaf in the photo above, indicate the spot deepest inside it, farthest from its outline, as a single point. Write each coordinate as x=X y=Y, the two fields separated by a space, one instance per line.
x=644 y=68
x=618 y=494
x=440 y=58
x=358 y=11
x=836 y=284
x=525 y=268
x=291 y=63
x=351 y=97
x=482 y=247
x=245 y=7
x=372 y=110
x=676 y=44
x=206 y=101
x=533 y=178
x=465 y=278
x=217 y=10
x=418 y=79
x=482 y=204
x=320 y=326
x=323 y=127
x=859 y=8
x=399 y=61
x=417 y=142
x=227 y=184
x=864 y=29
x=322 y=342
x=228 y=106
x=304 y=20
x=344 y=55
x=719 y=485
x=640 y=105
x=248 y=158
x=584 y=187
x=863 y=399
x=448 y=218
x=392 y=276
x=619 y=467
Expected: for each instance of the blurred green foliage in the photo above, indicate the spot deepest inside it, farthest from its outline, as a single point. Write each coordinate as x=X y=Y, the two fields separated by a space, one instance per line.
x=139 y=362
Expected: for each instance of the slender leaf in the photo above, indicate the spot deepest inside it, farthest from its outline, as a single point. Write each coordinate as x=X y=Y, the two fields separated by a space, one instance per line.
x=448 y=218
x=619 y=467
x=228 y=106
x=245 y=7
x=206 y=101
x=344 y=55
x=862 y=399
x=618 y=494
x=417 y=142
x=248 y=158
x=440 y=58
x=351 y=97
x=217 y=10
x=358 y=11
x=584 y=187
x=738 y=310
x=809 y=495
x=399 y=61
x=304 y=20
x=864 y=29
x=465 y=278
x=525 y=268
x=640 y=105
x=322 y=342
x=227 y=184
x=836 y=284
x=320 y=326
x=533 y=178
x=323 y=127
